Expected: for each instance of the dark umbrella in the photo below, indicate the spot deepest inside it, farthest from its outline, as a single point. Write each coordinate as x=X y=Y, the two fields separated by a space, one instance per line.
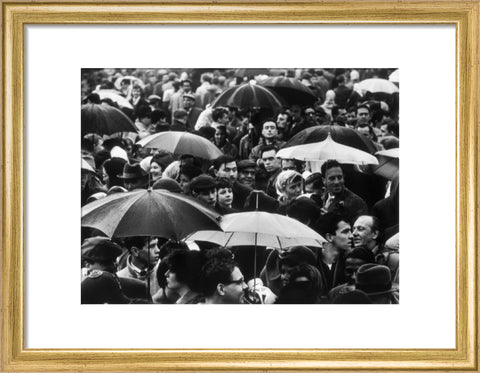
x=251 y=72
x=157 y=213
x=290 y=89
x=249 y=96
x=341 y=135
x=104 y=119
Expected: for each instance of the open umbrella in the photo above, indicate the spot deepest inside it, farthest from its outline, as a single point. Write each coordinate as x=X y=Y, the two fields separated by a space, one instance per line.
x=377 y=85
x=133 y=80
x=157 y=213
x=179 y=142
x=388 y=163
x=260 y=228
x=342 y=135
x=395 y=76
x=114 y=96
x=290 y=89
x=249 y=96
x=327 y=149
x=104 y=119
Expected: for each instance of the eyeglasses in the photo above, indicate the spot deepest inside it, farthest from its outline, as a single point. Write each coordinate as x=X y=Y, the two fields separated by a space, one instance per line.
x=238 y=282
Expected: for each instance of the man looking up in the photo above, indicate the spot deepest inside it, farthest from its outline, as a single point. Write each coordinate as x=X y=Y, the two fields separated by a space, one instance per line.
x=337 y=198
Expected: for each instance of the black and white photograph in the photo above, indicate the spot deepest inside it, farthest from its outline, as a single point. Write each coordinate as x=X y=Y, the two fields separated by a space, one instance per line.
x=240 y=185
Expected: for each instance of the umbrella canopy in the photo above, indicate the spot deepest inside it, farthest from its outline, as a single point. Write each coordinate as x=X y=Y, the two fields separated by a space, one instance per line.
x=342 y=135
x=179 y=142
x=262 y=229
x=249 y=96
x=290 y=89
x=388 y=163
x=133 y=80
x=142 y=212
x=104 y=119
x=251 y=72
x=114 y=96
x=395 y=76
x=86 y=167
x=327 y=149
x=377 y=85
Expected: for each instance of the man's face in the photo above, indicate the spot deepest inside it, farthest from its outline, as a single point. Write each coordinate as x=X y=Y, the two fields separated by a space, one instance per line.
x=187 y=103
x=187 y=87
x=363 y=117
x=282 y=121
x=296 y=112
x=333 y=180
x=288 y=164
x=223 y=119
x=351 y=267
x=310 y=115
x=247 y=176
x=136 y=92
x=131 y=184
x=269 y=130
x=364 y=131
x=233 y=291
x=363 y=235
x=228 y=171
x=271 y=163
x=208 y=197
x=343 y=236
x=149 y=253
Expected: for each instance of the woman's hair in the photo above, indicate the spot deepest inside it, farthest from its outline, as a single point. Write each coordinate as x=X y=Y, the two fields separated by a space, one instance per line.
x=187 y=267
x=284 y=178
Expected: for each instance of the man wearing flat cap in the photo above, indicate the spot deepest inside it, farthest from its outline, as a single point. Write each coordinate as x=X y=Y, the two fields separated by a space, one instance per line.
x=134 y=177
x=246 y=172
x=100 y=284
x=192 y=112
x=203 y=188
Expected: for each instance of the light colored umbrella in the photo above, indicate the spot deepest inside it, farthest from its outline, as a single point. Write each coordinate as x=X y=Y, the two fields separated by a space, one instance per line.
x=375 y=85
x=260 y=228
x=133 y=80
x=179 y=142
x=87 y=167
x=395 y=76
x=114 y=96
x=327 y=149
x=388 y=163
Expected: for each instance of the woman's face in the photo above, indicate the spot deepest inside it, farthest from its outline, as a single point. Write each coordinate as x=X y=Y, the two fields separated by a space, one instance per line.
x=172 y=282
x=225 y=197
x=156 y=171
x=285 y=272
x=293 y=190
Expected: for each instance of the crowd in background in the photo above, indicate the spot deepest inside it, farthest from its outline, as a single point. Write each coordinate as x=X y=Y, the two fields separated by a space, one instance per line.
x=354 y=209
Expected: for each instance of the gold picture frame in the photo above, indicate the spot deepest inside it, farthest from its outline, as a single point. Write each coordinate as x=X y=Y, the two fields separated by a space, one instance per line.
x=464 y=15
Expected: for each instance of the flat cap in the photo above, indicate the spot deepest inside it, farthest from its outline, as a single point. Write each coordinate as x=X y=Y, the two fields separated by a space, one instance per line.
x=100 y=249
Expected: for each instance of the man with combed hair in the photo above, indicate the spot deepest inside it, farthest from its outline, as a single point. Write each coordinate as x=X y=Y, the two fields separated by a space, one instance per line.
x=222 y=280
x=269 y=137
x=337 y=198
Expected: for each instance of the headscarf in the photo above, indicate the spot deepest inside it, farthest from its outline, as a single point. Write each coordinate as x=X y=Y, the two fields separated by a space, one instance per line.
x=283 y=179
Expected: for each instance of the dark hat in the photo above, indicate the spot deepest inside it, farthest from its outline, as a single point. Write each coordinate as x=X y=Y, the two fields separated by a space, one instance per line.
x=100 y=249
x=374 y=279
x=203 y=182
x=179 y=114
x=114 y=166
x=246 y=163
x=189 y=96
x=298 y=255
x=133 y=171
x=109 y=144
x=363 y=254
x=168 y=184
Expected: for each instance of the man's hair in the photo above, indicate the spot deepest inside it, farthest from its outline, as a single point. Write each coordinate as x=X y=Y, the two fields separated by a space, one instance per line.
x=223 y=159
x=267 y=148
x=217 y=269
x=303 y=207
x=362 y=106
x=218 y=112
x=137 y=241
x=206 y=77
x=328 y=223
x=190 y=171
x=340 y=79
x=331 y=163
x=187 y=266
x=156 y=115
x=289 y=117
x=206 y=132
x=136 y=86
x=223 y=182
x=144 y=111
x=375 y=222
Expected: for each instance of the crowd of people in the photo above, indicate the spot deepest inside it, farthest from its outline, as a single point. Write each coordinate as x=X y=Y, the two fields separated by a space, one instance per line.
x=355 y=210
